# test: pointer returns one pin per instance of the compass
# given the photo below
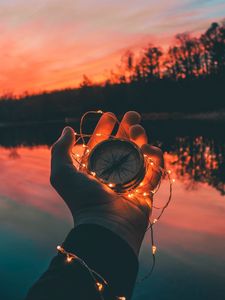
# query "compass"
(118, 163)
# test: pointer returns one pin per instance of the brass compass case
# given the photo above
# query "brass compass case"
(118, 163)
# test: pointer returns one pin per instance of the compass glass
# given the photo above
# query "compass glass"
(118, 162)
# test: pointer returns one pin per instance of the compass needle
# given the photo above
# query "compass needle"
(123, 165)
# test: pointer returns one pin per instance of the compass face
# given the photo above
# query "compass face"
(117, 162)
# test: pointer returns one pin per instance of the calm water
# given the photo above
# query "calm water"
(190, 237)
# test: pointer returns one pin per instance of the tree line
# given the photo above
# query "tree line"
(188, 77)
(189, 58)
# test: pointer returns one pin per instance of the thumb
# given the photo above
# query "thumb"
(63, 146)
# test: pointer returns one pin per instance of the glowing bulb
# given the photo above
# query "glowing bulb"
(130, 195)
(84, 145)
(121, 298)
(154, 249)
(75, 133)
(168, 171)
(99, 286)
(154, 221)
(59, 248)
(99, 111)
(77, 155)
(111, 185)
(151, 163)
(141, 184)
(173, 180)
(145, 194)
(98, 134)
(69, 258)
(136, 190)
(93, 173)
(83, 165)
(87, 150)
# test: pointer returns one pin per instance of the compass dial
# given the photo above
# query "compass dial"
(117, 162)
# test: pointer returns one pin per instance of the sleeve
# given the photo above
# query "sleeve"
(104, 252)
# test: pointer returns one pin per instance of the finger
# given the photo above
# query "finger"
(61, 149)
(130, 118)
(153, 174)
(103, 129)
(138, 135)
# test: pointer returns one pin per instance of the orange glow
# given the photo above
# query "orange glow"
(50, 45)
(99, 286)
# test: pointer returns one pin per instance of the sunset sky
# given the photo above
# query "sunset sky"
(50, 44)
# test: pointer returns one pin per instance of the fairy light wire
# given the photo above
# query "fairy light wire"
(131, 194)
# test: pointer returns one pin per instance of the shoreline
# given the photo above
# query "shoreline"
(155, 116)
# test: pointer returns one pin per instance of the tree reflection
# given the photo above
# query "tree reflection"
(192, 159)
(198, 160)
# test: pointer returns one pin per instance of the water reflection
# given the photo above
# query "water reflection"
(199, 160)
(34, 219)
(195, 158)
(190, 236)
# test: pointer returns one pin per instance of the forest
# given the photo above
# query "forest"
(187, 78)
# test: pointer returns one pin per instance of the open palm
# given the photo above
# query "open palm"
(94, 202)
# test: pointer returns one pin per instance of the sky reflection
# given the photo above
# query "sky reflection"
(33, 219)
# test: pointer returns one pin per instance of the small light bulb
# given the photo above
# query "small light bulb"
(69, 258)
(87, 150)
(93, 173)
(98, 134)
(83, 165)
(145, 194)
(121, 298)
(59, 248)
(84, 145)
(168, 171)
(136, 190)
(77, 155)
(173, 180)
(151, 163)
(141, 184)
(99, 111)
(154, 249)
(99, 286)
(130, 195)
(154, 221)
(111, 185)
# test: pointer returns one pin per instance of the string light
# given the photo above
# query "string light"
(70, 257)
(111, 185)
(154, 248)
(142, 189)
(99, 286)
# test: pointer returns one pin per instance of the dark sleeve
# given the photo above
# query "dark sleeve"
(104, 252)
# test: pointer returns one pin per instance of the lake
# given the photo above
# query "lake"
(190, 237)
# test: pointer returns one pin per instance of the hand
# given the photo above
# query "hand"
(84, 195)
